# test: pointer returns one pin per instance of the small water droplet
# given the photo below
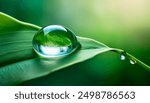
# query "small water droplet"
(54, 41)
(132, 61)
(122, 57)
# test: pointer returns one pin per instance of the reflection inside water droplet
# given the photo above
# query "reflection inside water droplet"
(132, 61)
(54, 41)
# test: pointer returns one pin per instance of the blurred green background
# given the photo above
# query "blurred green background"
(118, 23)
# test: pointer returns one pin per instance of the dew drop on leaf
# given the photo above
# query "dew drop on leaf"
(122, 57)
(54, 41)
(132, 61)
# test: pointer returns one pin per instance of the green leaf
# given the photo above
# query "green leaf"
(10, 24)
(19, 63)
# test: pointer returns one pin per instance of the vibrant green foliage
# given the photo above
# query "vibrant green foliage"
(18, 61)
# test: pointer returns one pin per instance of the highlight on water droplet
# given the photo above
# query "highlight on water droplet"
(54, 41)
(132, 61)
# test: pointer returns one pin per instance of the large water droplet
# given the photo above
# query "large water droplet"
(54, 41)
(132, 61)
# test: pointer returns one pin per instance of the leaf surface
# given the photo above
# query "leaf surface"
(19, 62)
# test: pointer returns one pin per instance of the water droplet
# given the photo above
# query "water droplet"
(54, 41)
(132, 61)
(122, 57)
